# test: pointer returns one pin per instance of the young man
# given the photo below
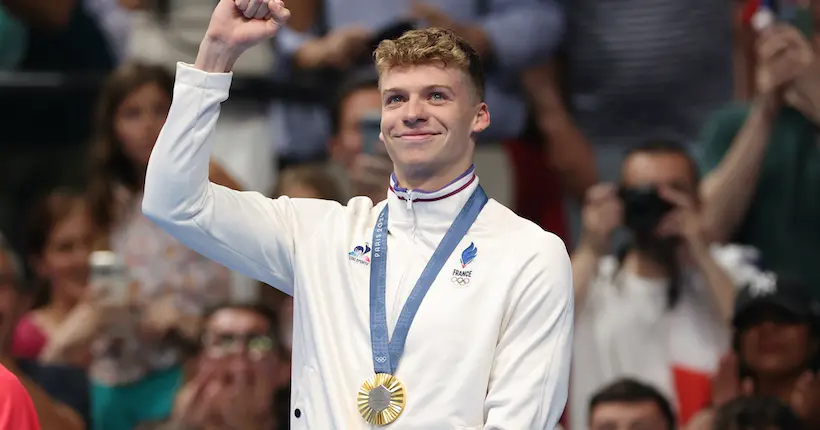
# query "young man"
(629, 404)
(668, 282)
(490, 346)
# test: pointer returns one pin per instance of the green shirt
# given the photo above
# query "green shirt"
(783, 219)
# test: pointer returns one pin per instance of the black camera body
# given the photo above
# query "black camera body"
(643, 208)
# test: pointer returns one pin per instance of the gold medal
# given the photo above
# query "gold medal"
(381, 399)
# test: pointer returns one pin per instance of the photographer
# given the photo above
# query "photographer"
(659, 308)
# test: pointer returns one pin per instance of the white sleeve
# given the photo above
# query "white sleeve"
(529, 381)
(244, 231)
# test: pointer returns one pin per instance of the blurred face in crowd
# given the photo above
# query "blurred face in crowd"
(641, 415)
(349, 141)
(139, 119)
(429, 115)
(301, 191)
(64, 259)
(11, 302)
(774, 342)
(658, 169)
(240, 337)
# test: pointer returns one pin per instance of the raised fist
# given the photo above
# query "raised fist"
(237, 25)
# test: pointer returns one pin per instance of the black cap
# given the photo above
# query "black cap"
(786, 293)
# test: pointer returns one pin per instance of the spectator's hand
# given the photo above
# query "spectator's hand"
(804, 93)
(369, 175)
(195, 403)
(159, 317)
(683, 221)
(248, 396)
(338, 49)
(70, 343)
(805, 398)
(602, 213)
(783, 55)
(726, 385)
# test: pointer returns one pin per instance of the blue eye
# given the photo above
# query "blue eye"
(394, 99)
(437, 96)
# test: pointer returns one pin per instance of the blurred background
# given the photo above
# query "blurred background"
(671, 145)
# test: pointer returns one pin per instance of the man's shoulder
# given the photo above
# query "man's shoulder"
(522, 235)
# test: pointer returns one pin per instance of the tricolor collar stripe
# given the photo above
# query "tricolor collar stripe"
(433, 199)
(457, 185)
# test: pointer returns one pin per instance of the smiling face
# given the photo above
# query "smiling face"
(429, 115)
(432, 95)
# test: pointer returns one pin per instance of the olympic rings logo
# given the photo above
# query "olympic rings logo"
(459, 280)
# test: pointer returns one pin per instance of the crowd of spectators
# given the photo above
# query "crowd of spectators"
(674, 147)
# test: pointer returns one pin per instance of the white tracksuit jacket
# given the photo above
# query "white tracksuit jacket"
(490, 345)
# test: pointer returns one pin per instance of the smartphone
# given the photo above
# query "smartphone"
(109, 277)
(370, 127)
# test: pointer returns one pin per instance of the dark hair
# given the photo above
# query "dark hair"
(363, 78)
(631, 391)
(268, 313)
(756, 413)
(812, 362)
(315, 176)
(42, 218)
(110, 166)
(45, 214)
(660, 146)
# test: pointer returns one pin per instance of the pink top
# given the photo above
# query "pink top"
(28, 339)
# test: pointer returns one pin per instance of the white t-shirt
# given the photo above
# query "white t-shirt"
(489, 347)
(625, 329)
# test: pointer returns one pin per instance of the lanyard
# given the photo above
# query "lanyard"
(386, 353)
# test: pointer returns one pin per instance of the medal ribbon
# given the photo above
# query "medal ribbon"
(386, 353)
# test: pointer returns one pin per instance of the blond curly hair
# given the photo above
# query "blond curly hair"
(431, 46)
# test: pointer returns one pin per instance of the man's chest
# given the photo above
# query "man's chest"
(469, 294)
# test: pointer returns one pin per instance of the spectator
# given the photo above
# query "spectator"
(135, 372)
(333, 35)
(659, 309)
(762, 159)
(13, 302)
(756, 413)
(776, 349)
(241, 377)
(627, 404)
(304, 181)
(59, 330)
(309, 181)
(354, 145)
(632, 72)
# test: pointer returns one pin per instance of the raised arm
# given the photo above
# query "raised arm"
(530, 377)
(244, 231)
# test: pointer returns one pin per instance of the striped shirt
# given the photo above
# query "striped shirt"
(646, 69)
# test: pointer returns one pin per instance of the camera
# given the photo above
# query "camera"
(643, 208)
